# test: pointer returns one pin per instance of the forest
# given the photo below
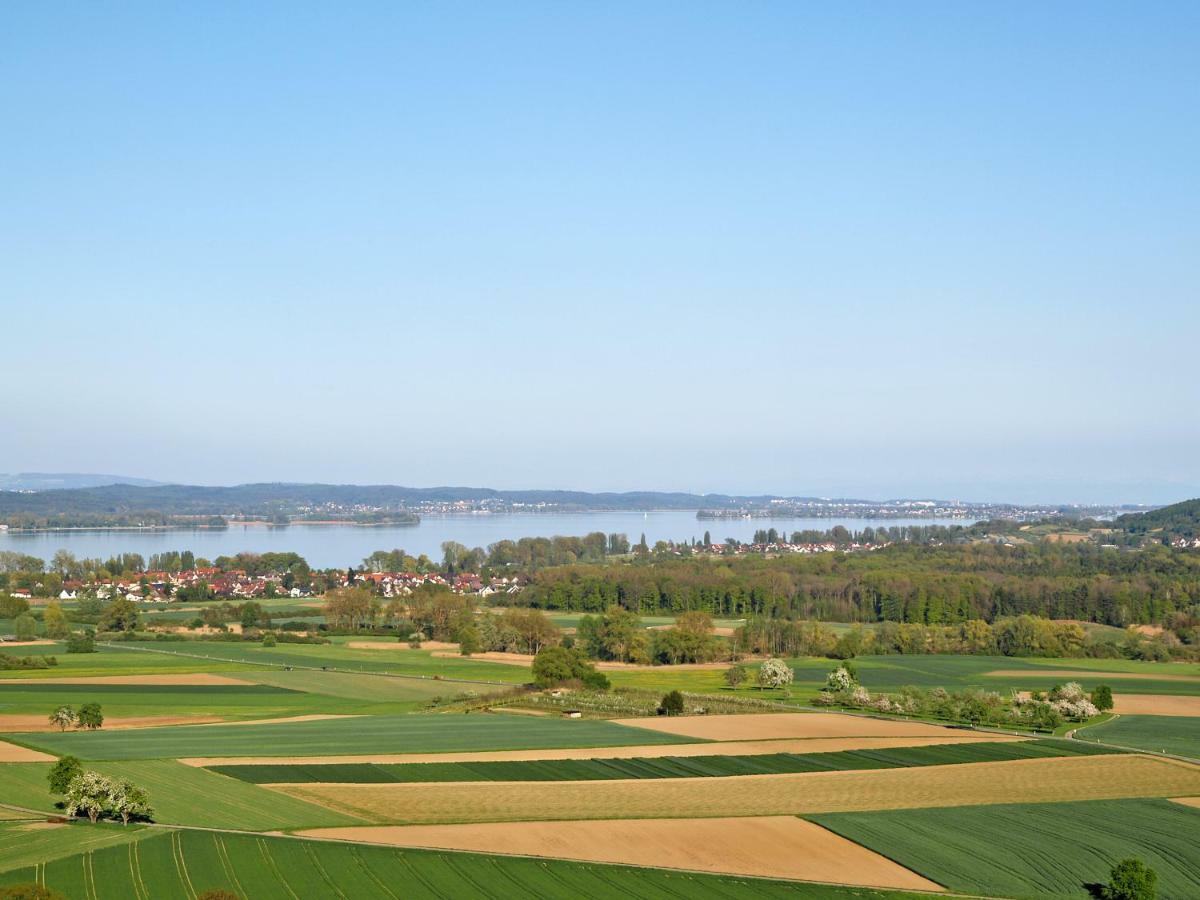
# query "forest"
(932, 585)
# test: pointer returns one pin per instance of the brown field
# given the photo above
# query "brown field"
(1187, 801)
(969, 784)
(766, 846)
(11, 753)
(1156, 705)
(188, 678)
(33, 722)
(1076, 674)
(723, 748)
(759, 727)
(40, 642)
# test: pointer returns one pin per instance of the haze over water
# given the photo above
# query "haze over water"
(325, 546)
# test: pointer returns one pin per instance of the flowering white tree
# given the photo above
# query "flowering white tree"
(775, 673)
(88, 793)
(127, 800)
(839, 680)
(1071, 701)
(63, 717)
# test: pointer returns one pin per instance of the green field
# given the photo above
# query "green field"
(274, 694)
(891, 673)
(657, 767)
(1179, 735)
(163, 863)
(181, 795)
(326, 737)
(335, 655)
(1034, 850)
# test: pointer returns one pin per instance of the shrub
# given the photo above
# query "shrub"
(672, 704)
(1131, 879)
(84, 642)
(268, 640)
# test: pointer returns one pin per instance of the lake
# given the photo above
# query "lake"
(326, 546)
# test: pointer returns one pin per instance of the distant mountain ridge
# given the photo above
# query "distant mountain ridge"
(286, 498)
(56, 481)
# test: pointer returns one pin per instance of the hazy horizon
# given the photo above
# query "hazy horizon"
(919, 251)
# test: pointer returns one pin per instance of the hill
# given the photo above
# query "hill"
(53, 481)
(1179, 520)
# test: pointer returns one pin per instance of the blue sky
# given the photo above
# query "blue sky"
(872, 249)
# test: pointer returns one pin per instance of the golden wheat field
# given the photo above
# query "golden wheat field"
(1021, 781)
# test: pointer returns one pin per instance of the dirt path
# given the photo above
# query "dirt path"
(726, 748)
(768, 846)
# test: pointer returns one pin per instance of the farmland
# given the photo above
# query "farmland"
(1179, 735)
(182, 864)
(658, 767)
(1048, 850)
(376, 734)
(1031, 780)
(398, 776)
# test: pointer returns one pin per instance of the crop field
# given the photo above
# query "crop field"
(773, 846)
(1026, 781)
(374, 734)
(338, 655)
(182, 795)
(1157, 734)
(891, 673)
(265, 694)
(185, 863)
(1047, 850)
(658, 767)
(106, 661)
(25, 844)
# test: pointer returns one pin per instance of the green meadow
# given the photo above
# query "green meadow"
(151, 863)
(1055, 850)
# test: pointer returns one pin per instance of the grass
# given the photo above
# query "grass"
(327, 737)
(1028, 781)
(185, 863)
(181, 795)
(1034, 850)
(656, 767)
(1179, 735)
